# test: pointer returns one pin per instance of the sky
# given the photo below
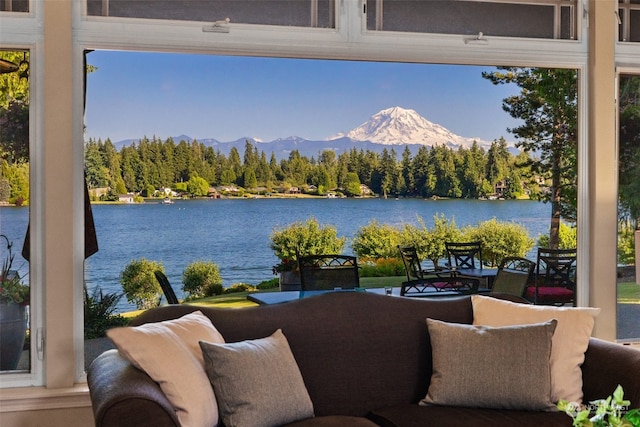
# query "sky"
(136, 94)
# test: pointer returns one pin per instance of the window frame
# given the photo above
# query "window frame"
(350, 40)
(22, 31)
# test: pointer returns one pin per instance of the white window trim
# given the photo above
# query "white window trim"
(24, 31)
(350, 40)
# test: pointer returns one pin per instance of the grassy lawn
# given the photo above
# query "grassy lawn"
(628, 293)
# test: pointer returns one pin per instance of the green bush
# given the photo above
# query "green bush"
(430, 243)
(140, 284)
(626, 244)
(306, 238)
(269, 284)
(98, 313)
(201, 279)
(376, 240)
(567, 238)
(499, 239)
(239, 287)
(381, 267)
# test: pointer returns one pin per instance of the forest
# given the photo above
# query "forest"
(439, 171)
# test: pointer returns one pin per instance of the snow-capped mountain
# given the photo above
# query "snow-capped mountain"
(398, 126)
(394, 126)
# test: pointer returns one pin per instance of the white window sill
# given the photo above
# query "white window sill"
(38, 398)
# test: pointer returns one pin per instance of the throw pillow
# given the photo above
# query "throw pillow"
(257, 382)
(170, 354)
(484, 367)
(569, 342)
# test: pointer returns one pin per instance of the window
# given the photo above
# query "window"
(552, 19)
(14, 5)
(300, 13)
(628, 206)
(15, 302)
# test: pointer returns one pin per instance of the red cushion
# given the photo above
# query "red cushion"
(443, 285)
(549, 294)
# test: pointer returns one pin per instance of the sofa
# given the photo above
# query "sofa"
(365, 360)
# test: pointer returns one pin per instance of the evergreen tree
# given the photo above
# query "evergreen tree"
(547, 104)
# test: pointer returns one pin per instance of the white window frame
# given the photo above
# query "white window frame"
(23, 31)
(348, 41)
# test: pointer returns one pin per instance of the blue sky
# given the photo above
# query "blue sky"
(134, 94)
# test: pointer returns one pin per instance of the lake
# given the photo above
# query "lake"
(235, 233)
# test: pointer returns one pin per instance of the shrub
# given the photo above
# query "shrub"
(381, 267)
(567, 238)
(376, 240)
(499, 239)
(98, 313)
(140, 284)
(308, 238)
(269, 284)
(626, 244)
(430, 243)
(201, 279)
(239, 287)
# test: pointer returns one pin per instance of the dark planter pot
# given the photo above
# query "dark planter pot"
(13, 327)
(290, 280)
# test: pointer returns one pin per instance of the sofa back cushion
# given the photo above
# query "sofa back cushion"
(356, 351)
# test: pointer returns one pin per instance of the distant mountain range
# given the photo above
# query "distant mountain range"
(394, 127)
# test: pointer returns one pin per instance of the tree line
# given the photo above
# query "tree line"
(439, 171)
(546, 108)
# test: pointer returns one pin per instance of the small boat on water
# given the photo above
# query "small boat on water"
(167, 201)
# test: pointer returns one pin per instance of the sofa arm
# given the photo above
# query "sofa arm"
(608, 364)
(122, 395)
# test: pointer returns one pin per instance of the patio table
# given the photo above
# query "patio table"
(486, 275)
(265, 298)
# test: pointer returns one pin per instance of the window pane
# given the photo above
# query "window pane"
(14, 211)
(629, 208)
(300, 13)
(174, 200)
(14, 5)
(634, 29)
(470, 17)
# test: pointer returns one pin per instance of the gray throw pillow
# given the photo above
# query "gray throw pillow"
(259, 382)
(485, 367)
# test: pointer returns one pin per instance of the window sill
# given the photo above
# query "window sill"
(38, 398)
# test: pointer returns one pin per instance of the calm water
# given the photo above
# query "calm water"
(235, 233)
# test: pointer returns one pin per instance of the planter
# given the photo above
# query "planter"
(290, 280)
(13, 327)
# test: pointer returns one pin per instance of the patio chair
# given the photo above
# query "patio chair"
(418, 284)
(555, 277)
(166, 287)
(326, 272)
(514, 274)
(463, 255)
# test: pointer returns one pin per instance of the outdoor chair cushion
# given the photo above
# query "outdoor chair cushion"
(549, 294)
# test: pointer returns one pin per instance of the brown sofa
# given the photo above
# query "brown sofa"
(365, 360)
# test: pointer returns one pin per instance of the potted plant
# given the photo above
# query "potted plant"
(301, 238)
(14, 297)
(287, 269)
(610, 412)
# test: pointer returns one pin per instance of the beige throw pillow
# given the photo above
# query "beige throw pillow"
(485, 367)
(569, 342)
(170, 354)
(257, 382)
